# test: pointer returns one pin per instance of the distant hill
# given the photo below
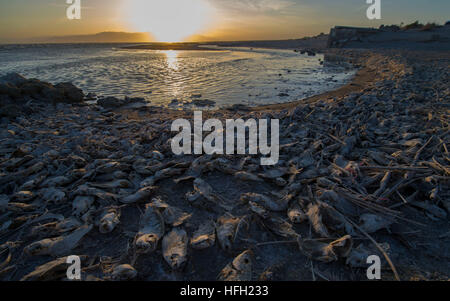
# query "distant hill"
(102, 37)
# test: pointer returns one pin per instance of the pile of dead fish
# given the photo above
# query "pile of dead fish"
(348, 166)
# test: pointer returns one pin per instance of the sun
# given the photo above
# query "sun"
(168, 20)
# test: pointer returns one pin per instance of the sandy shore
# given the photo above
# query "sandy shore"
(363, 170)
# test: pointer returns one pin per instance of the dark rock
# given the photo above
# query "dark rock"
(111, 102)
(203, 102)
(49, 93)
(239, 107)
(91, 96)
(10, 90)
(33, 88)
(71, 93)
(134, 99)
(22, 90)
(14, 79)
(11, 111)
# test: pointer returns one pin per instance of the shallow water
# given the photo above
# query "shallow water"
(231, 76)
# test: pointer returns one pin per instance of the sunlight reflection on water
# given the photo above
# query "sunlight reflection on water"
(232, 76)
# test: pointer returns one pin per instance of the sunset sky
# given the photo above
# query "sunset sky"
(174, 20)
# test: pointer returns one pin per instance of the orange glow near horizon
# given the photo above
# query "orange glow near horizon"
(169, 20)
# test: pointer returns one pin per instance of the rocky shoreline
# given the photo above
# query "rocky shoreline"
(363, 171)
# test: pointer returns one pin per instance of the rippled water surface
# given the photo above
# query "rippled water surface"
(230, 76)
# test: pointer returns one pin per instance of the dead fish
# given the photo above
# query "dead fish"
(57, 181)
(326, 250)
(109, 219)
(53, 195)
(82, 204)
(204, 237)
(192, 196)
(280, 182)
(157, 155)
(146, 167)
(58, 246)
(349, 145)
(274, 273)
(208, 193)
(279, 227)
(238, 270)
(5, 226)
(168, 173)
(383, 184)
(379, 157)
(24, 196)
(22, 220)
(226, 231)
(142, 195)
(173, 216)
(358, 256)
(160, 175)
(258, 209)
(7, 249)
(23, 173)
(56, 228)
(120, 175)
(433, 209)
(51, 271)
(21, 207)
(87, 190)
(222, 165)
(315, 219)
(68, 225)
(371, 223)
(195, 170)
(151, 230)
(124, 272)
(174, 246)
(266, 202)
(14, 163)
(273, 173)
(114, 184)
(4, 200)
(77, 160)
(246, 176)
(324, 182)
(110, 167)
(32, 184)
(323, 218)
(296, 214)
(149, 182)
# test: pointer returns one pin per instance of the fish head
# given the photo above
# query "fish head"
(244, 261)
(177, 261)
(108, 223)
(147, 243)
(201, 242)
(227, 242)
(124, 272)
(37, 248)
